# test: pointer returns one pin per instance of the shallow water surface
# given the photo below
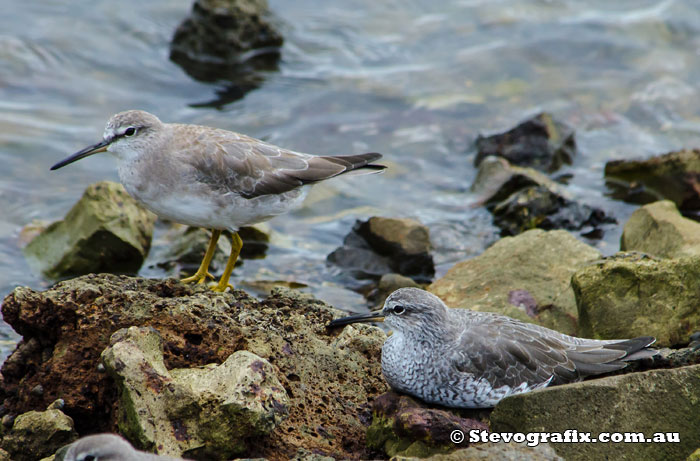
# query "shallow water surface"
(414, 80)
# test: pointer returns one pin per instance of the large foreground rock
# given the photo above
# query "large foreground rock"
(106, 231)
(660, 230)
(328, 379)
(631, 295)
(525, 277)
(652, 402)
(674, 176)
(205, 413)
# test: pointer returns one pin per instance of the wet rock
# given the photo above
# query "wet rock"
(657, 401)
(38, 434)
(674, 176)
(523, 198)
(227, 40)
(631, 295)
(106, 231)
(405, 427)
(495, 451)
(660, 230)
(328, 379)
(384, 245)
(204, 413)
(525, 277)
(186, 246)
(540, 142)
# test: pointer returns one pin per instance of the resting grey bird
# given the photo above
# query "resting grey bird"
(105, 447)
(212, 178)
(468, 359)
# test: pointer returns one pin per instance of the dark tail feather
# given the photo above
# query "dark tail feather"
(325, 167)
(612, 356)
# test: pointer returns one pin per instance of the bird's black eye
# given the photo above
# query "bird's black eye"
(129, 132)
(90, 458)
(399, 309)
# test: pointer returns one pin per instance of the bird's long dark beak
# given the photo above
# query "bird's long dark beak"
(375, 316)
(99, 147)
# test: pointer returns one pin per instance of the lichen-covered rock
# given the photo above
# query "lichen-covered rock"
(523, 198)
(383, 245)
(540, 142)
(674, 176)
(204, 413)
(660, 230)
(631, 295)
(649, 403)
(405, 427)
(105, 231)
(694, 456)
(329, 379)
(499, 451)
(38, 434)
(526, 277)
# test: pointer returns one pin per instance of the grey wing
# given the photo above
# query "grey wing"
(253, 168)
(508, 355)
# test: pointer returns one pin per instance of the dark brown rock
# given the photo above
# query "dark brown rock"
(328, 379)
(404, 426)
(540, 142)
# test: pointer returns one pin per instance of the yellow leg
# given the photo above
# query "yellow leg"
(236, 245)
(203, 272)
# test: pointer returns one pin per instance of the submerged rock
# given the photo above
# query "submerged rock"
(328, 379)
(38, 434)
(105, 231)
(674, 176)
(405, 427)
(649, 403)
(660, 230)
(203, 413)
(631, 295)
(227, 40)
(380, 246)
(525, 277)
(541, 142)
(523, 198)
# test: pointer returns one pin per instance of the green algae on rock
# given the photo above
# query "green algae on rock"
(38, 434)
(630, 295)
(105, 231)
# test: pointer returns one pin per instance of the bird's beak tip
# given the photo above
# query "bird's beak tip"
(94, 149)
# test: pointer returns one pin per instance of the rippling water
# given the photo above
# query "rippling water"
(416, 80)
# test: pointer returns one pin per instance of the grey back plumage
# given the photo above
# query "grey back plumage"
(464, 358)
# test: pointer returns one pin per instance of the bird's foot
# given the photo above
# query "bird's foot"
(221, 287)
(198, 277)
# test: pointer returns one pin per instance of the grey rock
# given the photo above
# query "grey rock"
(656, 401)
(499, 451)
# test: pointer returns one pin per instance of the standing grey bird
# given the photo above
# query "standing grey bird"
(466, 359)
(105, 447)
(212, 178)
